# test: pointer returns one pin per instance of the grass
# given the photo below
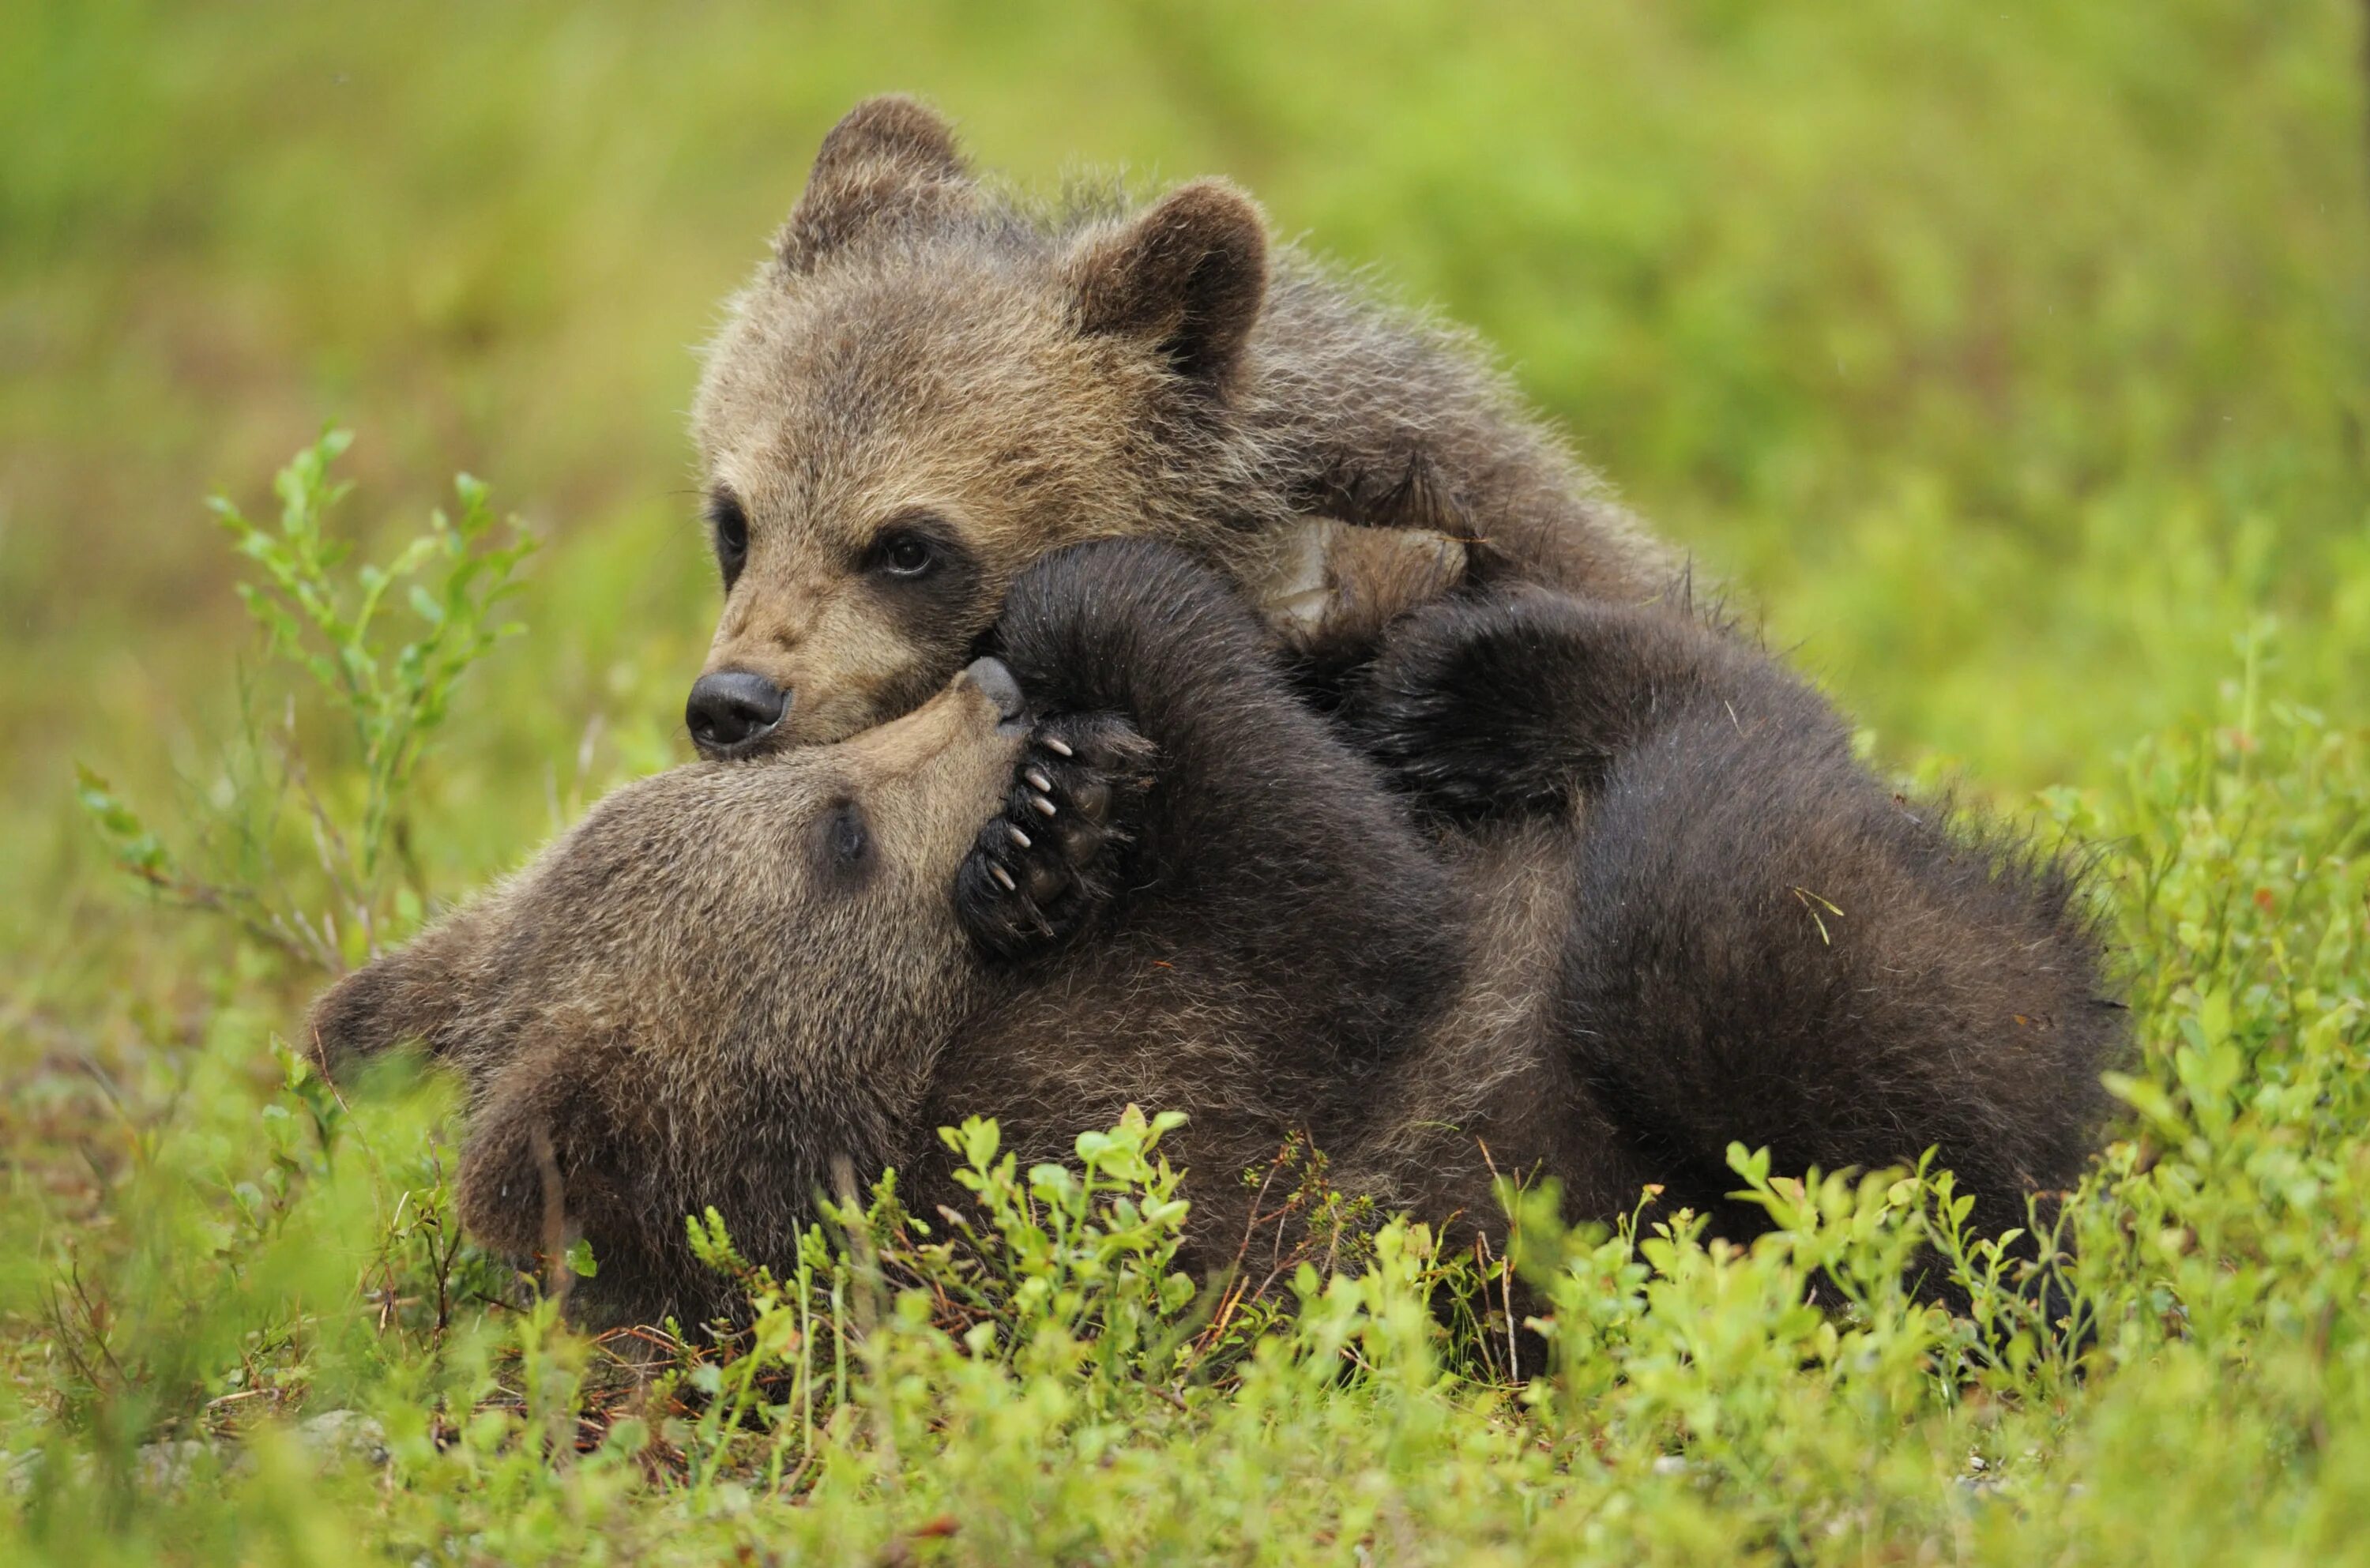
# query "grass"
(2008, 358)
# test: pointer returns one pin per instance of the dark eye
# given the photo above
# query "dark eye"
(730, 526)
(917, 557)
(903, 553)
(843, 839)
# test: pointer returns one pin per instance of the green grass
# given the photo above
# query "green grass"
(2010, 359)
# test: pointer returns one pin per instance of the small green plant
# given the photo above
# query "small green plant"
(327, 622)
(1070, 1265)
(1062, 1271)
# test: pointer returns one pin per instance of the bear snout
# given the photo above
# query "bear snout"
(996, 681)
(731, 710)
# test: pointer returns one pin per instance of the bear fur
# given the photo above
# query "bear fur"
(1126, 864)
(931, 381)
(1757, 940)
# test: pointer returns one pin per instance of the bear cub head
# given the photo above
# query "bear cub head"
(724, 981)
(925, 387)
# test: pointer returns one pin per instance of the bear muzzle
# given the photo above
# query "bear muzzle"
(999, 685)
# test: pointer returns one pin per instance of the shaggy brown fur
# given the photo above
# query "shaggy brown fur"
(931, 382)
(1757, 940)
(1191, 892)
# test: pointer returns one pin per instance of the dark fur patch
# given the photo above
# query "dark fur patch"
(728, 530)
(1769, 946)
(843, 846)
(928, 607)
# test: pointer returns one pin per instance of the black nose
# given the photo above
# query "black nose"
(732, 707)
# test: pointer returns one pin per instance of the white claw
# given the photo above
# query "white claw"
(1019, 837)
(1000, 874)
(1059, 748)
(1039, 780)
(1044, 807)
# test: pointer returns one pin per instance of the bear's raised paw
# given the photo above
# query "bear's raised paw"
(1043, 868)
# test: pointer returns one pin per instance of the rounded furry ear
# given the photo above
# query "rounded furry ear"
(419, 992)
(891, 156)
(1189, 274)
(374, 1009)
(891, 128)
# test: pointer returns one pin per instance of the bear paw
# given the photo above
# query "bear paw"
(1469, 709)
(1043, 868)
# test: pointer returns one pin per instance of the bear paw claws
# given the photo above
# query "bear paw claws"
(1043, 867)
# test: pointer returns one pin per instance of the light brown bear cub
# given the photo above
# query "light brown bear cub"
(932, 382)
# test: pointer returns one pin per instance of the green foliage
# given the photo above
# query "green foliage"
(396, 700)
(315, 622)
(2008, 358)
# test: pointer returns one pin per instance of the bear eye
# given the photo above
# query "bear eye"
(730, 527)
(843, 839)
(904, 552)
(918, 557)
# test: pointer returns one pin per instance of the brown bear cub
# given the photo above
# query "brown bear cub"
(931, 382)
(1123, 862)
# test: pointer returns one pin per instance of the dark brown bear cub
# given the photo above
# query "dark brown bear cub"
(1125, 864)
(931, 382)
(1764, 944)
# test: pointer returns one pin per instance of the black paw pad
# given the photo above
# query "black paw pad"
(1043, 867)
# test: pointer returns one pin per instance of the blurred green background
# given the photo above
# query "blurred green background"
(2007, 358)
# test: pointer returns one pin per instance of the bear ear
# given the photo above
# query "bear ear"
(413, 994)
(1188, 275)
(891, 157)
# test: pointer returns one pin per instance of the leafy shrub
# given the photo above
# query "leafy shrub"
(394, 697)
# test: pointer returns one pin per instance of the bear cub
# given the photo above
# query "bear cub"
(1121, 862)
(932, 381)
